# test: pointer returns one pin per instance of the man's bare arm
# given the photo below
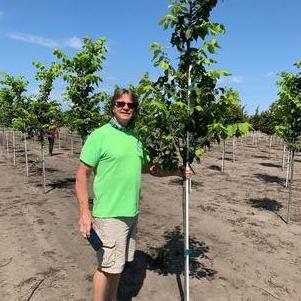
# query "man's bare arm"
(82, 194)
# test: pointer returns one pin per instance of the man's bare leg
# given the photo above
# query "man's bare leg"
(113, 286)
(100, 286)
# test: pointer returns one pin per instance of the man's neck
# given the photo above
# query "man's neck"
(117, 124)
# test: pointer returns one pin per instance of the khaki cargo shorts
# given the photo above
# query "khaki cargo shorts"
(118, 236)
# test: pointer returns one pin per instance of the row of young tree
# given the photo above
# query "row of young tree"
(181, 112)
(283, 119)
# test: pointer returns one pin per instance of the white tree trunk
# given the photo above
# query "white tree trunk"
(7, 146)
(2, 139)
(270, 146)
(290, 185)
(43, 166)
(26, 155)
(233, 149)
(14, 148)
(283, 155)
(59, 139)
(223, 156)
(288, 167)
(72, 144)
(186, 207)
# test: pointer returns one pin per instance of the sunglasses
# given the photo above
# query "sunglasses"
(122, 104)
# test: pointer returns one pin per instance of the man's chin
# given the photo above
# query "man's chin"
(126, 118)
(124, 121)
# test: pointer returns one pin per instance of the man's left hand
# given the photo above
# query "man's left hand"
(186, 172)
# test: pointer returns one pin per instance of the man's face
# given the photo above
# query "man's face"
(124, 109)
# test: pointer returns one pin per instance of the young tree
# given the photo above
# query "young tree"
(266, 122)
(183, 97)
(81, 74)
(182, 100)
(254, 120)
(229, 121)
(237, 130)
(24, 122)
(42, 112)
(11, 97)
(11, 94)
(289, 108)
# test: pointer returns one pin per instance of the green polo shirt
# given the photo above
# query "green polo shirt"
(117, 158)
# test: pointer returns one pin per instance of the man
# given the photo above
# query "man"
(51, 135)
(117, 157)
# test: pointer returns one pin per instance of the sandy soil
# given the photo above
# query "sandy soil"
(241, 247)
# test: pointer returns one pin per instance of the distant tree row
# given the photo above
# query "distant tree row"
(283, 118)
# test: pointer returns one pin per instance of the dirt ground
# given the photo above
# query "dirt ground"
(241, 248)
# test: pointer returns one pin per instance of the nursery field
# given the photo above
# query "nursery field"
(241, 246)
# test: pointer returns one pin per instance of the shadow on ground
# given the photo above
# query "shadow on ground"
(215, 167)
(133, 276)
(61, 184)
(226, 159)
(168, 259)
(165, 260)
(179, 181)
(270, 164)
(260, 157)
(56, 154)
(266, 203)
(39, 170)
(268, 178)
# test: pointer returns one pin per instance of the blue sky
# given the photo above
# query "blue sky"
(262, 39)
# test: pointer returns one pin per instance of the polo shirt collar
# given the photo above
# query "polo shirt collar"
(114, 123)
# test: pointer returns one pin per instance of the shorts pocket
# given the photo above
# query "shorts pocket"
(108, 253)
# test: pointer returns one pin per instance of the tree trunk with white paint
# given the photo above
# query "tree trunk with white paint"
(290, 185)
(26, 155)
(288, 167)
(223, 156)
(43, 166)
(283, 155)
(233, 149)
(14, 148)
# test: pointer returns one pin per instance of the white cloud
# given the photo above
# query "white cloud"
(32, 39)
(73, 42)
(110, 78)
(271, 73)
(227, 80)
(107, 77)
(236, 79)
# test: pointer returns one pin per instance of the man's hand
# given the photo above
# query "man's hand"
(85, 223)
(186, 171)
(81, 188)
(182, 171)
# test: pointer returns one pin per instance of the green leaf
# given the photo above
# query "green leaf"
(164, 65)
(199, 152)
(199, 108)
(188, 33)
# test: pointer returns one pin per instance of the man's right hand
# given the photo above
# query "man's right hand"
(81, 188)
(85, 222)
